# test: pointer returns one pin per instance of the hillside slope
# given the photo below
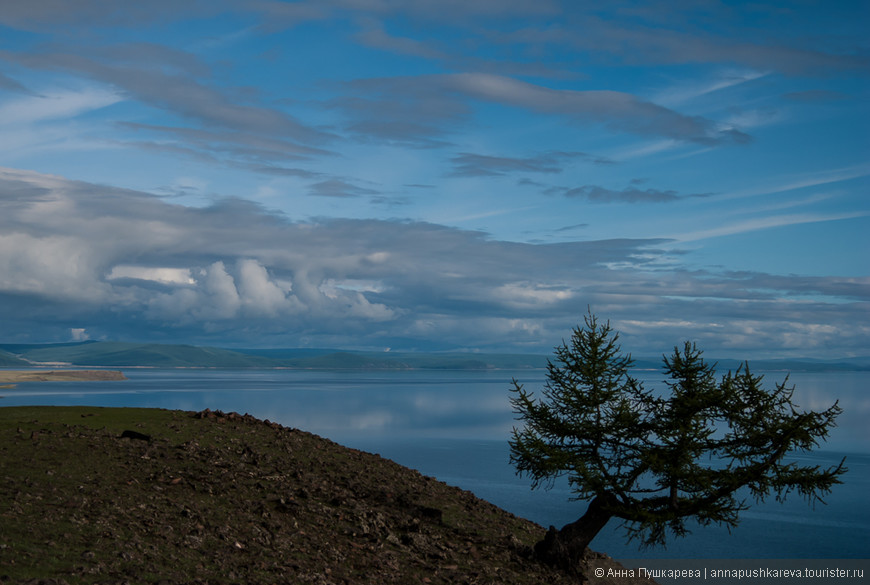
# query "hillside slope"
(8, 360)
(159, 355)
(214, 498)
(119, 354)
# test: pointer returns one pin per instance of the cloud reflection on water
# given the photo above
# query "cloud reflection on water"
(449, 404)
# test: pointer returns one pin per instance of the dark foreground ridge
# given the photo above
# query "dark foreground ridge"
(124, 495)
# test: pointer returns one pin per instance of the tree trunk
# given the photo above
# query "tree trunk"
(564, 548)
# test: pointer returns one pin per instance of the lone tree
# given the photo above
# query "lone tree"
(652, 461)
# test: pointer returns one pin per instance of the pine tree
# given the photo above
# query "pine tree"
(697, 452)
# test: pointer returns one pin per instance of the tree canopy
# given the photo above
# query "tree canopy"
(698, 450)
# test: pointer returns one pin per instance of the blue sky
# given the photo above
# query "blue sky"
(437, 175)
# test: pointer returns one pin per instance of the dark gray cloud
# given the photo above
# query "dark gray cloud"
(653, 32)
(60, 15)
(339, 188)
(390, 108)
(275, 14)
(235, 145)
(598, 194)
(279, 171)
(397, 112)
(615, 109)
(9, 84)
(569, 228)
(128, 265)
(467, 164)
(373, 34)
(643, 37)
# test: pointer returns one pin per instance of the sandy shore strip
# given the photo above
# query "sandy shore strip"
(16, 376)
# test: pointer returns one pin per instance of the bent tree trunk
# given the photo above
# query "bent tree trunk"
(564, 548)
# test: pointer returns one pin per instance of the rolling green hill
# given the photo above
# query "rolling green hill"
(7, 360)
(117, 354)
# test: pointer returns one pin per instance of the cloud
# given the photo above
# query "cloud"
(153, 274)
(127, 265)
(9, 84)
(244, 150)
(178, 91)
(824, 40)
(339, 188)
(618, 110)
(46, 15)
(52, 105)
(399, 111)
(467, 164)
(79, 334)
(598, 194)
(392, 107)
(373, 34)
(688, 91)
(685, 38)
(572, 227)
(802, 180)
(761, 223)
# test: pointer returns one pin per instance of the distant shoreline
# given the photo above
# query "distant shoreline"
(16, 376)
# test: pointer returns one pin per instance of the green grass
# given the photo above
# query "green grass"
(150, 421)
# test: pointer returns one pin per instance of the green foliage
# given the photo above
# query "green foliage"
(694, 453)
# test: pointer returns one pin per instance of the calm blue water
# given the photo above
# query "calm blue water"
(455, 425)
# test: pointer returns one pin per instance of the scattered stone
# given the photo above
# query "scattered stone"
(246, 501)
(128, 434)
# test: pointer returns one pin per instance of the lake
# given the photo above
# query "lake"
(454, 425)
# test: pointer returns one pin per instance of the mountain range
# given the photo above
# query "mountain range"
(127, 354)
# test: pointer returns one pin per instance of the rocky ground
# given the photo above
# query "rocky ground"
(92, 495)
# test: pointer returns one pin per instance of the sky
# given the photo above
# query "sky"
(434, 175)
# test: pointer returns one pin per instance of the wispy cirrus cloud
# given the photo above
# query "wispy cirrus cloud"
(56, 104)
(681, 93)
(50, 120)
(767, 222)
(802, 180)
